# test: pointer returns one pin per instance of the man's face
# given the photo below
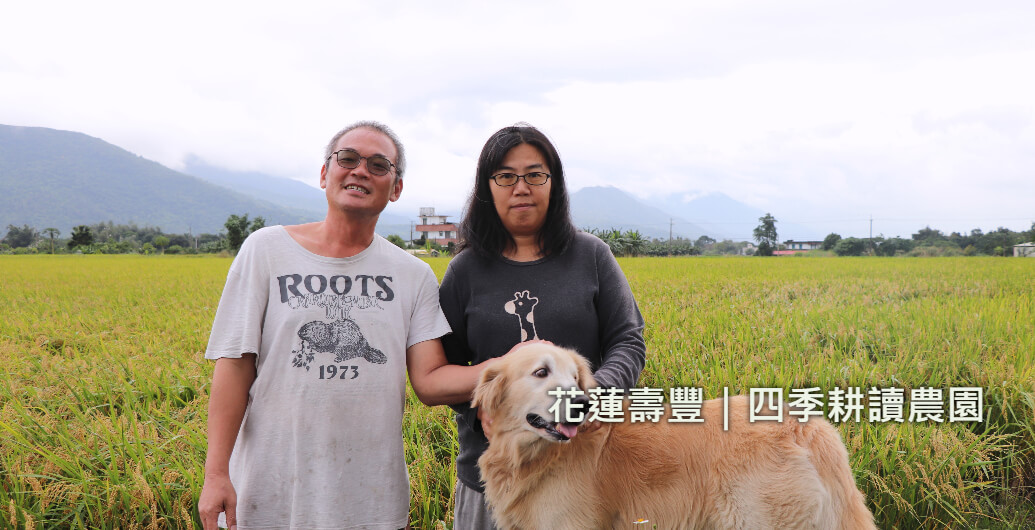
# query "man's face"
(357, 190)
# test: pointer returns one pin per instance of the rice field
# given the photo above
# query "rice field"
(103, 385)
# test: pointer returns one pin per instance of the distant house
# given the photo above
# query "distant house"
(797, 247)
(1024, 250)
(435, 227)
(803, 245)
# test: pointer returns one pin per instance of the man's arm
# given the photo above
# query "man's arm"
(228, 398)
(435, 380)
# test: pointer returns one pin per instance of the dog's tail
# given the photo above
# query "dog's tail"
(849, 504)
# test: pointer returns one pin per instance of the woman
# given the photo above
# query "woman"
(524, 273)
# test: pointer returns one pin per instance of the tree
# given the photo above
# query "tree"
(81, 237)
(628, 243)
(635, 243)
(726, 246)
(21, 237)
(237, 229)
(211, 242)
(257, 223)
(161, 242)
(894, 246)
(396, 240)
(830, 241)
(964, 241)
(704, 242)
(995, 243)
(765, 235)
(179, 239)
(676, 247)
(52, 232)
(850, 246)
(929, 235)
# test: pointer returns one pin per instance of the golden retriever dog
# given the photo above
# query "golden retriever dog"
(539, 473)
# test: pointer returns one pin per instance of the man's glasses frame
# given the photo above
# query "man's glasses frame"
(376, 164)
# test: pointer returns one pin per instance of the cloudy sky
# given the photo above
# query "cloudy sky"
(824, 113)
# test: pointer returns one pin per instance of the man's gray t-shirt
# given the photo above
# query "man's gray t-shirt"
(321, 444)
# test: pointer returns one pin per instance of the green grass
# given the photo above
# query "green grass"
(103, 384)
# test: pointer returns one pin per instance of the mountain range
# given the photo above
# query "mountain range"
(59, 179)
(52, 178)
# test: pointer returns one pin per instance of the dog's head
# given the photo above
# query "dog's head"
(515, 392)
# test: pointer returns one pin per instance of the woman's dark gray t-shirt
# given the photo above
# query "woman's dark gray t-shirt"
(577, 299)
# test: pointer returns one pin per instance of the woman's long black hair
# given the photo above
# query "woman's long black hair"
(481, 228)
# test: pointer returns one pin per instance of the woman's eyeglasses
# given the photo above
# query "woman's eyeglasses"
(509, 179)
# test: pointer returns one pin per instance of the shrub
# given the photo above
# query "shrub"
(850, 246)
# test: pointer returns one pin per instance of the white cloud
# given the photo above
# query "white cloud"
(918, 111)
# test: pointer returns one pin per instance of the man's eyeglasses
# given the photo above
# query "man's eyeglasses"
(509, 179)
(349, 159)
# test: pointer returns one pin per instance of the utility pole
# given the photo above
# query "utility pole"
(671, 222)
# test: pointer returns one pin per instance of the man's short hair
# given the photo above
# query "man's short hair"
(400, 153)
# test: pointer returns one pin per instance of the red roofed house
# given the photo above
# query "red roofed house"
(435, 227)
(802, 245)
(795, 247)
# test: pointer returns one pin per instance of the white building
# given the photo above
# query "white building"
(1024, 250)
(803, 245)
(435, 227)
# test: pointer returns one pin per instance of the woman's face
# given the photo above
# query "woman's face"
(522, 207)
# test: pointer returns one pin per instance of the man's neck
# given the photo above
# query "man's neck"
(337, 236)
(347, 235)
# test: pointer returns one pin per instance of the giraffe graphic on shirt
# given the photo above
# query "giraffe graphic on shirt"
(522, 306)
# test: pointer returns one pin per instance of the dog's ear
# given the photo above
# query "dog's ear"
(488, 395)
(586, 379)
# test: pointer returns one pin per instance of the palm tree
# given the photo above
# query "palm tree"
(52, 232)
(635, 243)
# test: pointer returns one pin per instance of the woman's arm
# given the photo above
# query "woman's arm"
(623, 351)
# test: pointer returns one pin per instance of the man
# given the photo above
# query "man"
(314, 331)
